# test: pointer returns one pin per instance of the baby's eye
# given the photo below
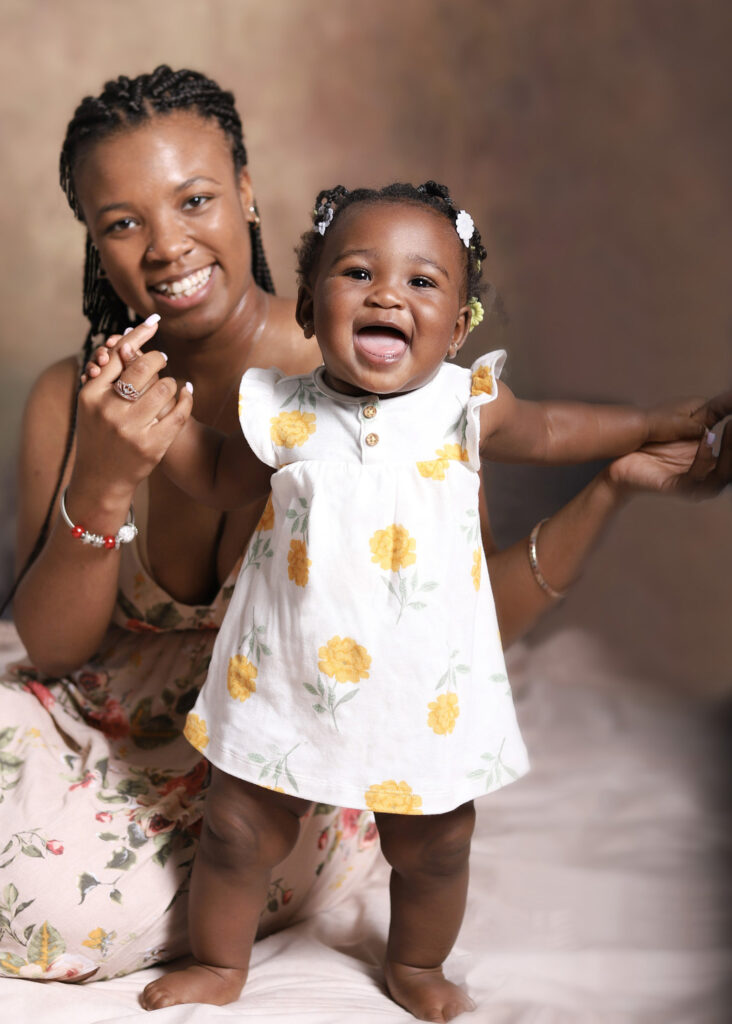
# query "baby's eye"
(422, 282)
(196, 202)
(358, 273)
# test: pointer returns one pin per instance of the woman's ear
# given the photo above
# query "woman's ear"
(304, 310)
(460, 331)
(246, 192)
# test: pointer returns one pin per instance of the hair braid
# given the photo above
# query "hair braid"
(126, 103)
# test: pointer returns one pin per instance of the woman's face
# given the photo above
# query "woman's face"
(169, 215)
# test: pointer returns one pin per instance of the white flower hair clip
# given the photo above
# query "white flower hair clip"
(465, 227)
(324, 215)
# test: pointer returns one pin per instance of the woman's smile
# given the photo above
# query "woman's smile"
(184, 291)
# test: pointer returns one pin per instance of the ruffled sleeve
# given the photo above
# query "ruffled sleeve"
(257, 405)
(484, 375)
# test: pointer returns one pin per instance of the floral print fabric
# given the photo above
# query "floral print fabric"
(360, 661)
(101, 799)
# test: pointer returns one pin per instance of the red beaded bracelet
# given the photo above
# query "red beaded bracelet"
(124, 535)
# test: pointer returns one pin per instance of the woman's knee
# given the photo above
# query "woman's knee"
(437, 844)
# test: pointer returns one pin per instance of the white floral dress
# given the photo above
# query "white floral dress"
(101, 798)
(360, 661)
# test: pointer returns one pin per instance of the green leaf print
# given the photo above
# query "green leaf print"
(258, 550)
(496, 772)
(164, 615)
(255, 647)
(300, 519)
(122, 858)
(328, 694)
(6, 735)
(275, 766)
(408, 588)
(87, 882)
(449, 677)
(46, 944)
(304, 395)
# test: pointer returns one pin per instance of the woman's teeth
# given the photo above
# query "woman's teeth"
(187, 285)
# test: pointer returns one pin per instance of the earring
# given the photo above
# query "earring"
(254, 219)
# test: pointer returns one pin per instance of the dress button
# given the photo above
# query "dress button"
(369, 411)
(371, 440)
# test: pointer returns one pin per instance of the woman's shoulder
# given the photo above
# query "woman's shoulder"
(50, 393)
(286, 347)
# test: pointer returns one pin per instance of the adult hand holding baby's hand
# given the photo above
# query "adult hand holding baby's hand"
(689, 469)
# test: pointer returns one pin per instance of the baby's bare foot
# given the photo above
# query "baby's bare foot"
(426, 992)
(196, 984)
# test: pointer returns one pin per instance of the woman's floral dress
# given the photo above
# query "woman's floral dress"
(360, 662)
(101, 800)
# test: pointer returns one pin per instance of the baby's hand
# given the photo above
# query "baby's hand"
(675, 421)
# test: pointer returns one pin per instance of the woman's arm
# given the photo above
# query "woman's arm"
(682, 469)
(514, 430)
(64, 603)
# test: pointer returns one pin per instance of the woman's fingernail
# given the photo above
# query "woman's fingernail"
(710, 438)
(163, 354)
(189, 387)
(152, 319)
(126, 331)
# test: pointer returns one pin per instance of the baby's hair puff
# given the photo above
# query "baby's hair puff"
(331, 203)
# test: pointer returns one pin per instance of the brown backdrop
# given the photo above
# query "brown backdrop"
(591, 141)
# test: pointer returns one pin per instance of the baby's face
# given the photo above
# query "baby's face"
(388, 297)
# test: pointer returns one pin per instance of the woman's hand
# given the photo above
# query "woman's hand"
(682, 468)
(120, 441)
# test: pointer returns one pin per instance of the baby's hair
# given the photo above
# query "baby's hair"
(332, 201)
(125, 103)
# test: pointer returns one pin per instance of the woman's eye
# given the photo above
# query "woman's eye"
(196, 202)
(122, 224)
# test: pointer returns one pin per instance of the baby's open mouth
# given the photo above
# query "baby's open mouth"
(381, 343)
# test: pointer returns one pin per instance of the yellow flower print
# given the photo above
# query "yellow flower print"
(266, 520)
(291, 429)
(482, 383)
(240, 677)
(97, 939)
(344, 660)
(475, 571)
(196, 732)
(443, 713)
(434, 469)
(393, 797)
(298, 562)
(393, 548)
(454, 452)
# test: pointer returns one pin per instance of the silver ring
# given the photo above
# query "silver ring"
(127, 391)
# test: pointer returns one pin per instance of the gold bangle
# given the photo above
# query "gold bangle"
(534, 563)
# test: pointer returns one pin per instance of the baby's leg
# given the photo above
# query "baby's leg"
(246, 831)
(429, 884)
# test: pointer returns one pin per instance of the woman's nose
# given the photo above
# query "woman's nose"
(168, 241)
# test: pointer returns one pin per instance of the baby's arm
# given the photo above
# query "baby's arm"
(514, 430)
(217, 469)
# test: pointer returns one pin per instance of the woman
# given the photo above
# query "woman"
(102, 795)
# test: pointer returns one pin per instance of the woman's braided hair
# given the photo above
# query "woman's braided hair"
(125, 103)
(332, 202)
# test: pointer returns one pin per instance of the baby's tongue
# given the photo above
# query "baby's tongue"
(382, 343)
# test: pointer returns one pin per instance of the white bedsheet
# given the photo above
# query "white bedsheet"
(598, 887)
